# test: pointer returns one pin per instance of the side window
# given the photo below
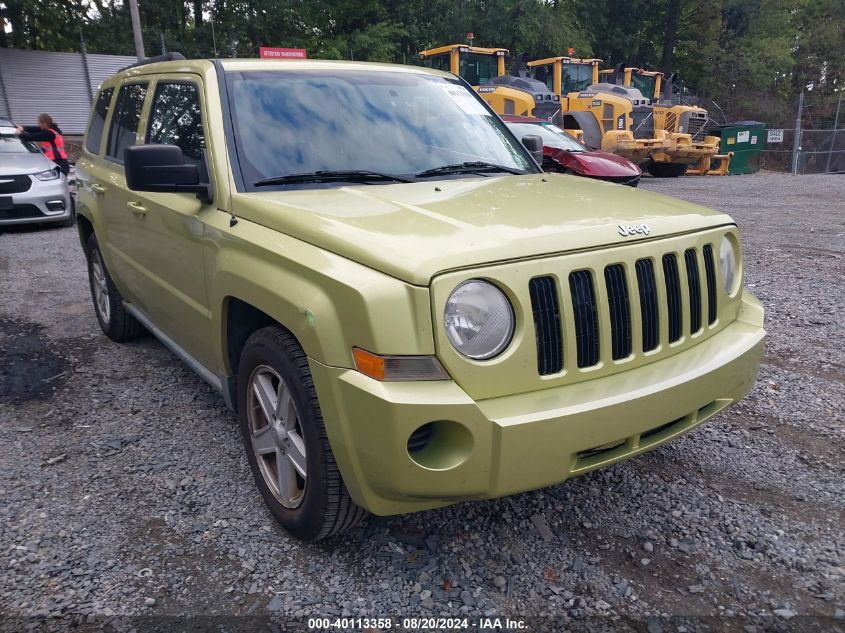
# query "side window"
(124, 122)
(98, 121)
(176, 119)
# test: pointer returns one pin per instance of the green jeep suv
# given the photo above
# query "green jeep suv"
(403, 310)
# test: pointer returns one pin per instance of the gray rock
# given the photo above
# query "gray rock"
(277, 603)
(543, 529)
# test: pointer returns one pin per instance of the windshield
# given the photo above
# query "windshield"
(401, 123)
(645, 84)
(439, 62)
(11, 144)
(576, 77)
(478, 68)
(552, 135)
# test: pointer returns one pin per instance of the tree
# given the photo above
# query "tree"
(753, 56)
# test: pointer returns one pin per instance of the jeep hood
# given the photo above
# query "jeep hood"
(414, 231)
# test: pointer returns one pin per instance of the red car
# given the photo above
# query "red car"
(563, 154)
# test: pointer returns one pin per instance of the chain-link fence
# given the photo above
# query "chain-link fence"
(814, 143)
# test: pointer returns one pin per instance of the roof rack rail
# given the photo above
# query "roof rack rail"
(168, 57)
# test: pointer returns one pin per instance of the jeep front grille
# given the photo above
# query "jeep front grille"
(650, 318)
(544, 305)
(620, 310)
(710, 271)
(673, 295)
(586, 317)
(602, 308)
(694, 283)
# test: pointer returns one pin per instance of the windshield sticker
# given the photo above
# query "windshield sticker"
(463, 99)
(553, 128)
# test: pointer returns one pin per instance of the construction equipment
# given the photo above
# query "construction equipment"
(687, 125)
(723, 164)
(484, 70)
(563, 75)
(602, 115)
(475, 64)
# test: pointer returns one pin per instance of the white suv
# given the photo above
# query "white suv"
(32, 189)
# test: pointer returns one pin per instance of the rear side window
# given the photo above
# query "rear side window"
(127, 116)
(176, 119)
(98, 121)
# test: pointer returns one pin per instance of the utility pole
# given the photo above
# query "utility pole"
(796, 140)
(136, 29)
(84, 55)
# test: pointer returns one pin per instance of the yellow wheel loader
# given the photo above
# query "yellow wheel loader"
(687, 125)
(484, 70)
(603, 115)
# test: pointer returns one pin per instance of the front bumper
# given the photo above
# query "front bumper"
(511, 444)
(40, 203)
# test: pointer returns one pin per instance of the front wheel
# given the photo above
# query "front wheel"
(285, 439)
(71, 220)
(666, 170)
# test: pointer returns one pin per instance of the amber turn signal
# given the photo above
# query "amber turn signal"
(398, 368)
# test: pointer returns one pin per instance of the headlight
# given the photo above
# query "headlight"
(727, 259)
(50, 174)
(479, 319)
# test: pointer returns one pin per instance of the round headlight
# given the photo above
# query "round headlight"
(727, 259)
(479, 319)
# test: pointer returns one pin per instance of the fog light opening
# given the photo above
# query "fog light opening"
(440, 445)
(56, 205)
(420, 438)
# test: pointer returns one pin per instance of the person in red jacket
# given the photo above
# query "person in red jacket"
(48, 135)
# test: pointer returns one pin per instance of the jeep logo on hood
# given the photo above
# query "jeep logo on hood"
(634, 229)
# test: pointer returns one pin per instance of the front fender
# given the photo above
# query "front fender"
(329, 303)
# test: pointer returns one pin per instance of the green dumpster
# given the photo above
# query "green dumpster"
(746, 140)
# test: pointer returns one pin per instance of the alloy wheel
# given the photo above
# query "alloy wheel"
(276, 433)
(100, 286)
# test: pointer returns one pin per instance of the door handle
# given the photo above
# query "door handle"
(98, 188)
(137, 208)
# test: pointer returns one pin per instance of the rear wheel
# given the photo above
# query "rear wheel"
(114, 320)
(286, 441)
(666, 170)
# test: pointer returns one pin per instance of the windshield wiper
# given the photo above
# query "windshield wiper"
(474, 166)
(351, 175)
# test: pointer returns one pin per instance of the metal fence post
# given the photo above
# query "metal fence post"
(833, 139)
(796, 140)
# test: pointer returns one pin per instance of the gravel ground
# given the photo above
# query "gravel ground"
(124, 490)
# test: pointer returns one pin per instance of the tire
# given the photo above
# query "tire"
(310, 507)
(666, 170)
(115, 321)
(72, 218)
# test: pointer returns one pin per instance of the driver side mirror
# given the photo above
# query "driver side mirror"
(162, 168)
(534, 144)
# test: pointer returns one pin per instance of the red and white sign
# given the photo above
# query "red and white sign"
(268, 52)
